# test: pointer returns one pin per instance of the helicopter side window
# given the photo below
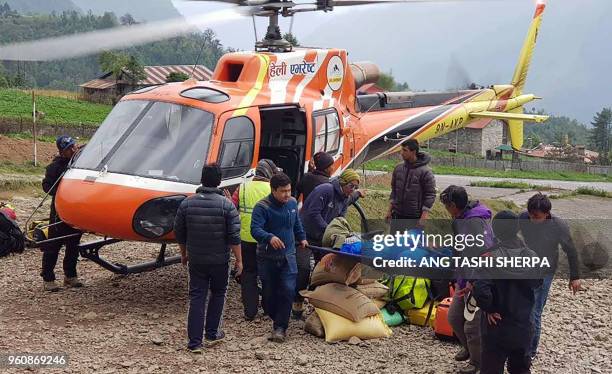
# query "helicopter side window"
(237, 149)
(321, 132)
(327, 130)
(333, 133)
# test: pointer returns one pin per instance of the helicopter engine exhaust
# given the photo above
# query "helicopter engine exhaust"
(365, 72)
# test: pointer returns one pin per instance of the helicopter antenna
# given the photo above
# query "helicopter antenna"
(254, 27)
(197, 59)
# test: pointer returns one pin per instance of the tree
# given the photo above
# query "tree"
(109, 19)
(113, 62)
(176, 76)
(387, 83)
(127, 20)
(601, 134)
(135, 70)
(4, 82)
(291, 39)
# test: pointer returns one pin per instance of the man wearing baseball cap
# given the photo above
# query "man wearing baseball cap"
(67, 148)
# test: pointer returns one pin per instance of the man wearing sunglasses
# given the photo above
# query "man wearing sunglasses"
(328, 201)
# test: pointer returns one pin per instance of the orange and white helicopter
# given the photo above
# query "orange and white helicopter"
(278, 102)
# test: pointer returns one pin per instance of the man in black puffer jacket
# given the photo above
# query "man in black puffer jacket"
(206, 226)
(413, 188)
(507, 299)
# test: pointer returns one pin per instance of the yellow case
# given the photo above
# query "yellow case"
(418, 316)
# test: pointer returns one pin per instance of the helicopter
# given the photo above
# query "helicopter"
(277, 102)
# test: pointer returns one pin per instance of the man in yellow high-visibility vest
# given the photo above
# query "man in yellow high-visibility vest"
(245, 197)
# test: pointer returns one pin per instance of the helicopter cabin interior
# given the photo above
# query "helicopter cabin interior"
(283, 139)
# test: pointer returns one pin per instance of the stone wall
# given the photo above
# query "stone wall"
(464, 141)
(473, 141)
(492, 136)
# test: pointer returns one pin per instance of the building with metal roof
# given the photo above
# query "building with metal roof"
(107, 89)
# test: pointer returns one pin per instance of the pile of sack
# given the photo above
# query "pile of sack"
(345, 304)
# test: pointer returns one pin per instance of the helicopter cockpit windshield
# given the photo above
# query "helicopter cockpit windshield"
(151, 139)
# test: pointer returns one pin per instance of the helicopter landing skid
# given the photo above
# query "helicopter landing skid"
(91, 251)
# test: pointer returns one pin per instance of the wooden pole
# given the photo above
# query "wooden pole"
(34, 128)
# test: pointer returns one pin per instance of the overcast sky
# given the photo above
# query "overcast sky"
(441, 46)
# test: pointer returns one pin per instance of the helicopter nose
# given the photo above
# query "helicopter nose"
(117, 211)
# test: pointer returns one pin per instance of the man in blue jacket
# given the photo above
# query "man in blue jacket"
(207, 226)
(276, 226)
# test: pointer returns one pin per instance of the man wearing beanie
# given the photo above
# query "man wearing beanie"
(506, 298)
(323, 163)
(207, 226)
(326, 202)
(67, 148)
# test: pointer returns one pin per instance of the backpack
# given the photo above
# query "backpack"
(12, 239)
(408, 292)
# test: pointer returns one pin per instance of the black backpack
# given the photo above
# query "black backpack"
(12, 239)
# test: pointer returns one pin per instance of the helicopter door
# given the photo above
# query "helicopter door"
(236, 151)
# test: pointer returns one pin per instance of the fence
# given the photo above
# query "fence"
(543, 165)
(23, 125)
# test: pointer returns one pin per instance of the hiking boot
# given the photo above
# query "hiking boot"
(278, 335)
(209, 343)
(469, 368)
(297, 310)
(51, 286)
(462, 355)
(73, 282)
(196, 350)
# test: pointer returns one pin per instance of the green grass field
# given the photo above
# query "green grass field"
(389, 165)
(7, 167)
(60, 110)
(507, 184)
(376, 203)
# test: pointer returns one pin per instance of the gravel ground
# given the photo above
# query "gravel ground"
(136, 324)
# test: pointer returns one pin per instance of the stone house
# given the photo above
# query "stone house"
(476, 138)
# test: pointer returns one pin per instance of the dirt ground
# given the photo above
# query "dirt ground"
(19, 151)
(137, 324)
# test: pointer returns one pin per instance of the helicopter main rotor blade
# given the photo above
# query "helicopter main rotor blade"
(336, 3)
(78, 45)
